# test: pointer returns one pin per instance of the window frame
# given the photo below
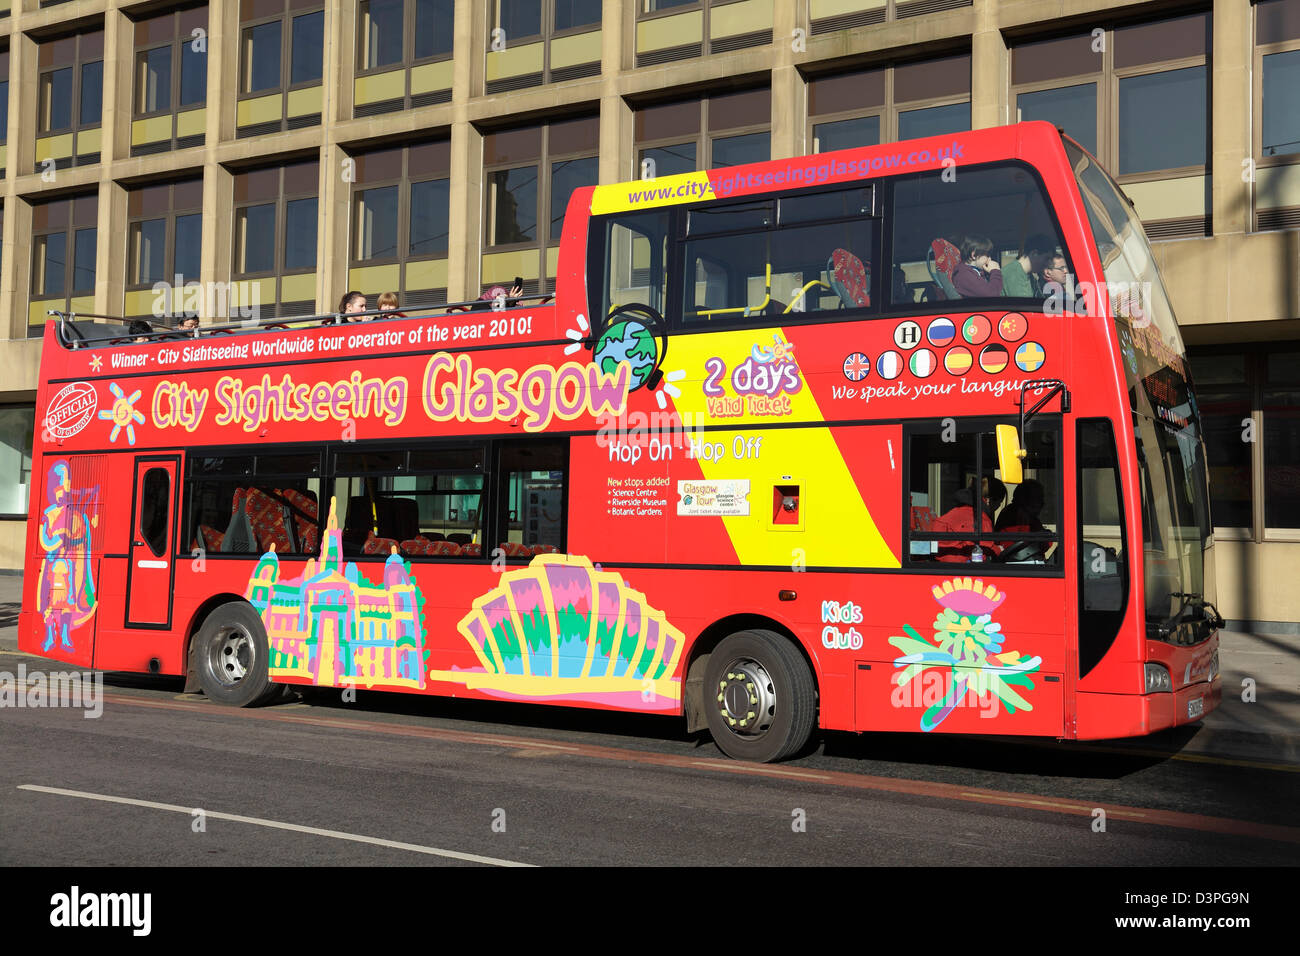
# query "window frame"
(283, 197)
(69, 232)
(984, 425)
(20, 406)
(177, 44)
(169, 217)
(285, 17)
(408, 59)
(77, 67)
(704, 133)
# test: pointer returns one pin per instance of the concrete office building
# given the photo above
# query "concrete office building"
(300, 148)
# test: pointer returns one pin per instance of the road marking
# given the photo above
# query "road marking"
(276, 825)
(836, 778)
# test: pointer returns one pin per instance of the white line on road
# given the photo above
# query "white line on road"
(277, 825)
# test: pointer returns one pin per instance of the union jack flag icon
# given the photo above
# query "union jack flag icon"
(856, 367)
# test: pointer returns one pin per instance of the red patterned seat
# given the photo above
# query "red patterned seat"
(375, 545)
(942, 259)
(305, 513)
(266, 515)
(849, 279)
(445, 548)
(418, 545)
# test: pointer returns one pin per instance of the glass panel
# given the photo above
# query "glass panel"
(1226, 418)
(512, 209)
(1282, 458)
(670, 160)
(308, 41)
(652, 5)
(566, 176)
(377, 223)
(218, 512)
(935, 121)
(4, 109)
(255, 230)
(17, 426)
(262, 57)
(155, 81)
(955, 240)
(846, 134)
(1276, 21)
(92, 92)
(576, 13)
(1072, 108)
(434, 27)
(56, 100)
(155, 501)
(189, 238)
(533, 476)
(635, 255)
(51, 261)
(1162, 120)
(738, 150)
(300, 234)
(194, 74)
(381, 23)
(520, 18)
(1103, 573)
(1283, 367)
(430, 209)
(148, 251)
(1055, 59)
(83, 262)
(1281, 106)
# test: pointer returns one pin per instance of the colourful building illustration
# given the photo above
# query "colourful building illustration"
(562, 629)
(332, 627)
(66, 593)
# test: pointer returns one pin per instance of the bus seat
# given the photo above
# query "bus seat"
(239, 537)
(849, 279)
(306, 513)
(210, 537)
(471, 549)
(417, 545)
(460, 538)
(358, 523)
(266, 515)
(377, 545)
(445, 548)
(545, 549)
(941, 260)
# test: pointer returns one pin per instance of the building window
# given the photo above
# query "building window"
(1277, 129)
(1137, 97)
(17, 426)
(171, 81)
(281, 53)
(524, 52)
(729, 129)
(70, 100)
(1250, 407)
(668, 30)
(404, 52)
(529, 175)
(276, 219)
(4, 110)
(400, 202)
(164, 240)
(63, 258)
(904, 101)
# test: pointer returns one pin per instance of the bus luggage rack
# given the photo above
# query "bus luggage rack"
(117, 329)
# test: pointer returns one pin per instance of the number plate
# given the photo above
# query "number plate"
(1195, 708)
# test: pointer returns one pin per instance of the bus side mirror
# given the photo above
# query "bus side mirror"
(1009, 454)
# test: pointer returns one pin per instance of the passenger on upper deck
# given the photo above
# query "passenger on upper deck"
(351, 303)
(189, 322)
(139, 330)
(978, 275)
(1022, 279)
(388, 303)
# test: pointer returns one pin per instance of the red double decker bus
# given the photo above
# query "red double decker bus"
(893, 439)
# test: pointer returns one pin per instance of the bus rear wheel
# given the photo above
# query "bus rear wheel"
(759, 696)
(230, 652)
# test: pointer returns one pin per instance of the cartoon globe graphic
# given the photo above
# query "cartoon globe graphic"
(628, 341)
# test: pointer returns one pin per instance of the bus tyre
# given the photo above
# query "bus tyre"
(759, 696)
(230, 652)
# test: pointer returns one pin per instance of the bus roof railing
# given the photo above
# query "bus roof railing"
(72, 336)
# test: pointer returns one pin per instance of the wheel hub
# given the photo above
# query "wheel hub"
(746, 698)
(234, 655)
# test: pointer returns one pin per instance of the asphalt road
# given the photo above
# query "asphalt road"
(402, 781)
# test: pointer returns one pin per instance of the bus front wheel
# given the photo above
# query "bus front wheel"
(231, 657)
(759, 696)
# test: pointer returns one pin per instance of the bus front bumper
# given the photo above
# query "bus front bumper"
(1104, 716)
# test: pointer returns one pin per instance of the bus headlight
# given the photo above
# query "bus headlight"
(1158, 679)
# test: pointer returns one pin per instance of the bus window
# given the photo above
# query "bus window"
(426, 502)
(533, 479)
(1002, 208)
(245, 504)
(1103, 572)
(805, 254)
(634, 268)
(953, 471)
(155, 509)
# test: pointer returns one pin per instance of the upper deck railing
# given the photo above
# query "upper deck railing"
(117, 329)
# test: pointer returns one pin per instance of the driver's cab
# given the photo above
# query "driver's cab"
(963, 508)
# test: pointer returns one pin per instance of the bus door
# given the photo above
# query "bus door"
(153, 547)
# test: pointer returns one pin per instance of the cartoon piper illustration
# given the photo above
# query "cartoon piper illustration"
(66, 593)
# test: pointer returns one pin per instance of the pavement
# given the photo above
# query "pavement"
(1260, 713)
